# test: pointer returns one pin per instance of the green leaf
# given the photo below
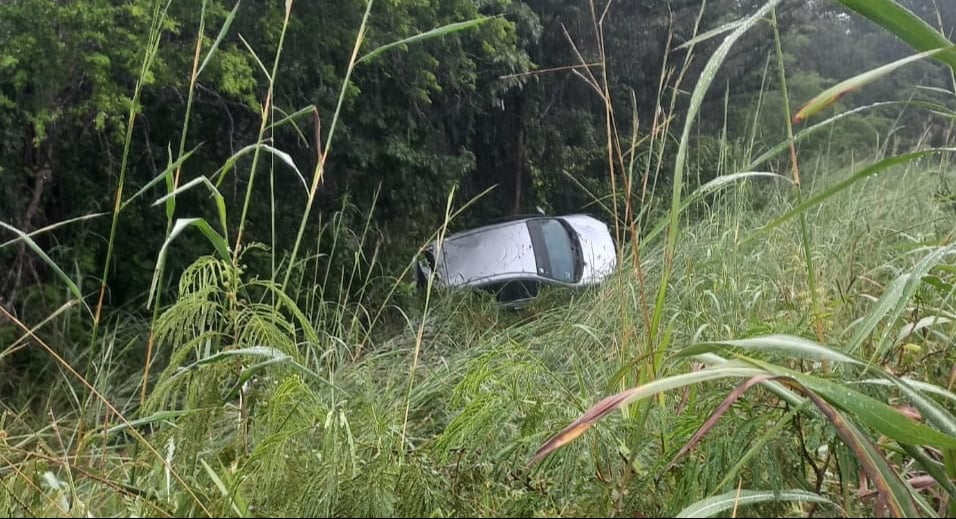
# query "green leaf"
(222, 33)
(795, 346)
(696, 101)
(916, 384)
(713, 185)
(870, 412)
(731, 500)
(159, 178)
(784, 145)
(217, 240)
(868, 171)
(904, 24)
(217, 196)
(434, 33)
(238, 506)
(893, 301)
(74, 289)
(895, 494)
(272, 355)
(155, 417)
(834, 93)
(704, 36)
(619, 400)
(283, 156)
(50, 227)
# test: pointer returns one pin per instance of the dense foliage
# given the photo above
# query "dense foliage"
(209, 208)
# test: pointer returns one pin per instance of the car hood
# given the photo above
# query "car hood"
(597, 247)
(470, 257)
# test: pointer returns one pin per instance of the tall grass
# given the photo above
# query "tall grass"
(297, 397)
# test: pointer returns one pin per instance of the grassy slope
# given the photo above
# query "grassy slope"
(491, 386)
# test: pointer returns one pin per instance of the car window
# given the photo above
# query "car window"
(555, 250)
(514, 290)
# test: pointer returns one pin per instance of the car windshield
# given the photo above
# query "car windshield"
(555, 250)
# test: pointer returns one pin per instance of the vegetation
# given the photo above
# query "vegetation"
(210, 212)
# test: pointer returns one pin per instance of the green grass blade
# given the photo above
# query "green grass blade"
(697, 98)
(234, 502)
(222, 33)
(893, 301)
(619, 400)
(706, 35)
(784, 145)
(218, 241)
(159, 178)
(434, 33)
(871, 412)
(834, 93)
(217, 196)
(896, 495)
(777, 388)
(934, 468)
(715, 184)
(904, 24)
(931, 411)
(868, 171)
(22, 236)
(283, 156)
(153, 418)
(795, 346)
(50, 227)
(731, 500)
(916, 384)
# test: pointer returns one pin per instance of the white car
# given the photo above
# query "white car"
(513, 259)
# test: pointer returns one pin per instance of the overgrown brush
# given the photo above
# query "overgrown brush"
(784, 338)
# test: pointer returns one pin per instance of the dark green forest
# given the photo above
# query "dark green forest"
(202, 197)
(505, 105)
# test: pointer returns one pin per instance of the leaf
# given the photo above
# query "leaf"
(159, 178)
(713, 185)
(274, 356)
(696, 101)
(922, 386)
(870, 412)
(619, 400)
(834, 93)
(283, 156)
(217, 240)
(714, 505)
(868, 171)
(155, 417)
(894, 493)
(234, 501)
(222, 33)
(934, 468)
(784, 145)
(925, 322)
(163, 175)
(434, 33)
(704, 36)
(719, 412)
(904, 24)
(71, 285)
(50, 227)
(217, 196)
(796, 346)
(776, 388)
(893, 301)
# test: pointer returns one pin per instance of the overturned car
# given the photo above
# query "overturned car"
(515, 258)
